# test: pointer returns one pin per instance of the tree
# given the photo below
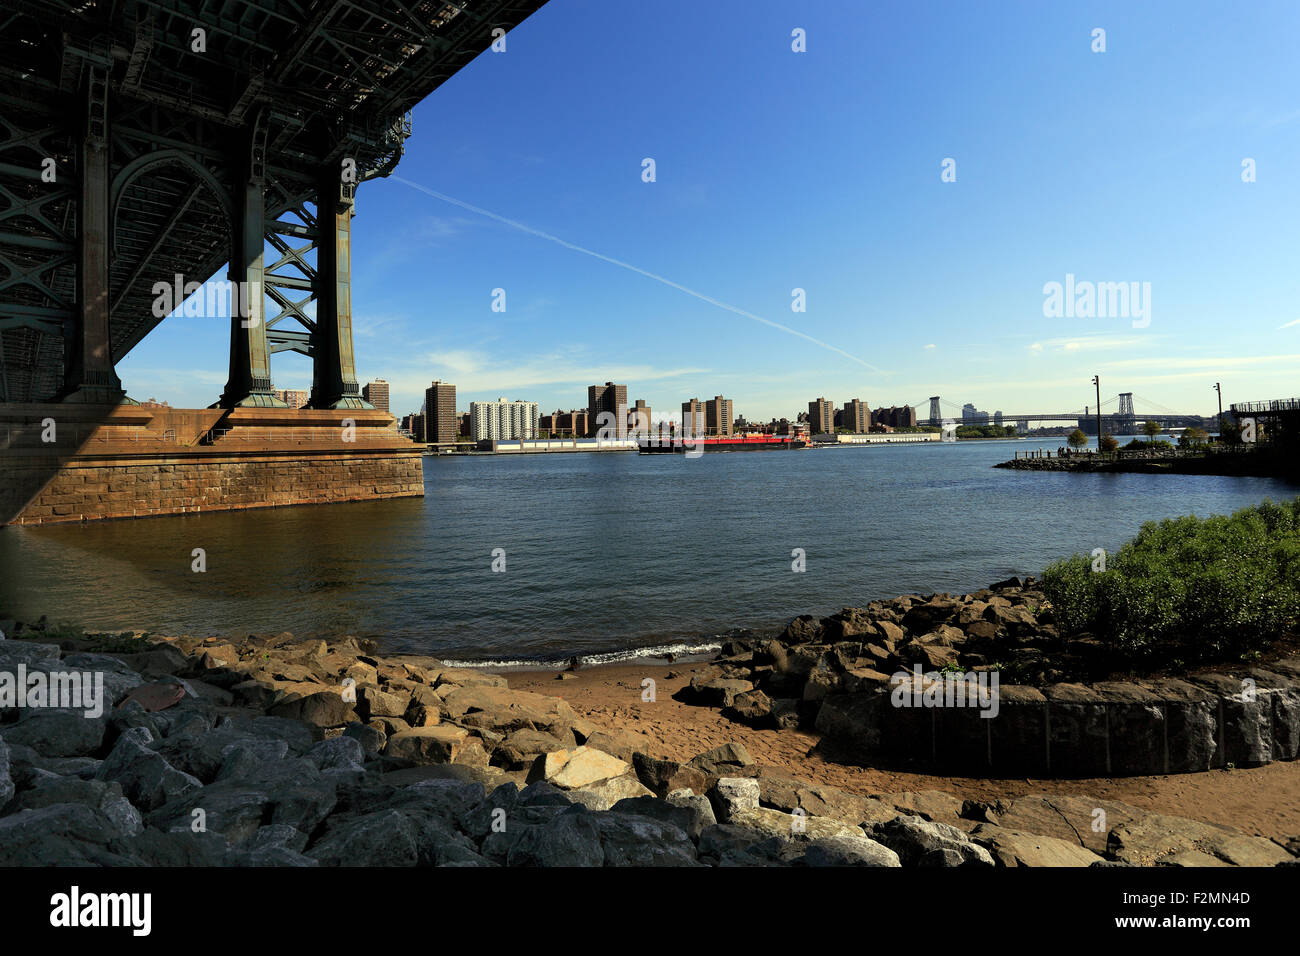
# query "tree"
(1151, 429)
(1192, 436)
(1108, 443)
(1077, 438)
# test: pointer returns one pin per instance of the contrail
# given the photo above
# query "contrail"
(631, 268)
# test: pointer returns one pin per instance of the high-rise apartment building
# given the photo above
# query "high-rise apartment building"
(692, 418)
(293, 397)
(638, 418)
(560, 424)
(376, 393)
(717, 416)
(610, 399)
(895, 416)
(856, 417)
(503, 420)
(821, 416)
(441, 423)
(413, 425)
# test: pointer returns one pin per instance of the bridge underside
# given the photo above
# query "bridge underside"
(144, 143)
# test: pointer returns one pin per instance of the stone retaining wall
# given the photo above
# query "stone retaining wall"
(1205, 722)
(62, 463)
(91, 490)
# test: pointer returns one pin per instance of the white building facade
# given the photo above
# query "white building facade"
(503, 420)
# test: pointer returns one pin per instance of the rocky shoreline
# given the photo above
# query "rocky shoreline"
(1238, 465)
(277, 752)
(1059, 711)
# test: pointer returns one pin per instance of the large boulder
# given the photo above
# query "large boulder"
(635, 840)
(119, 678)
(32, 655)
(732, 795)
(377, 703)
(441, 743)
(325, 708)
(804, 629)
(1081, 820)
(848, 850)
(503, 710)
(58, 733)
(1017, 848)
(690, 814)
(520, 748)
(714, 691)
(752, 707)
(147, 779)
(1157, 839)
(234, 810)
(107, 798)
(791, 826)
(577, 769)
(384, 838)
(923, 843)
(63, 834)
(605, 793)
(571, 837)
(665, 776)
(722, 760)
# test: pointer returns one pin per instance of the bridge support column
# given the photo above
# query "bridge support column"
(249, 383)
(334, 381)
(89, 375)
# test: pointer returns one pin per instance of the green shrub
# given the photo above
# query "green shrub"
(1188, 588)
(1137, 444)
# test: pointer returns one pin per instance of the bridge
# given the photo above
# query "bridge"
(142, 140)
(1122, 418)
(145, 143)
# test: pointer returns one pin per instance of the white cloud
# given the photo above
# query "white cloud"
(1289, 324)
(1092, 343)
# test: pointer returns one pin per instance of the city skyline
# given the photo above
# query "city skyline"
(912, 286)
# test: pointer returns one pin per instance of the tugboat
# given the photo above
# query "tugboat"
(655, 445)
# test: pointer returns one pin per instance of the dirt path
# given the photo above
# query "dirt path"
(1263, 801)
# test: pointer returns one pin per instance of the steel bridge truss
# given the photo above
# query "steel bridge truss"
(144, 140)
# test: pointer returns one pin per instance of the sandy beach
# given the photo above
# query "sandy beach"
(1263, 801)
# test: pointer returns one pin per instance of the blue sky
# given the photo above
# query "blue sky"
(821, 171)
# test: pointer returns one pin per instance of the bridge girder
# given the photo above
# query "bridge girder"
(328, 80)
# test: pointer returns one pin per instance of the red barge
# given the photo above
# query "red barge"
(650, 446)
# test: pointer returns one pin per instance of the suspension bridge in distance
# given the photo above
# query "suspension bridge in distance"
(1119, 416)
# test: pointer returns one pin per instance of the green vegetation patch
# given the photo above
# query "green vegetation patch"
(1188, 589)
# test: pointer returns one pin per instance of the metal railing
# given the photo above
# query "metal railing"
(328, 434)
(1259, 408)
(65, 437)
(1135, 454)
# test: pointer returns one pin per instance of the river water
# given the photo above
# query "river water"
(604, 554)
